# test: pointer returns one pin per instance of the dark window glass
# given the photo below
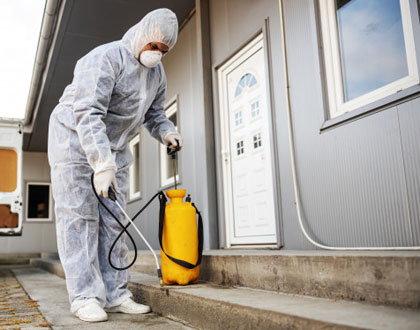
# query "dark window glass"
(170, 170)
(38, 201)
(172, 118)
(136, 167)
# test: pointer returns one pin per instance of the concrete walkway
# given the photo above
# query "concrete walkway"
(50, 293)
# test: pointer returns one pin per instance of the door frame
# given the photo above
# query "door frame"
(225, 210)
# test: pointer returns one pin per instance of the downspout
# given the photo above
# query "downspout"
(293, 158)
(49, 22)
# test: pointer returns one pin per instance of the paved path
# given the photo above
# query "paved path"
(50, 293)
(17, 310)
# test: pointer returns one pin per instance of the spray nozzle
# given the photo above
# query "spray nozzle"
(159, 272)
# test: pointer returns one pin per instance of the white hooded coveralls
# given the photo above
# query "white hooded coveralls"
(110, 97)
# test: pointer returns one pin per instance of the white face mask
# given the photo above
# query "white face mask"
(150, 58)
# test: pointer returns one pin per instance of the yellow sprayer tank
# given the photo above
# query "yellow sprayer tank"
(181, 240)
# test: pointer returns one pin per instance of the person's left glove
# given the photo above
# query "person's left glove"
(171, 139)
(103, 180)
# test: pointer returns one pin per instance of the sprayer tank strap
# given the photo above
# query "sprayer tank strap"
(183, 263)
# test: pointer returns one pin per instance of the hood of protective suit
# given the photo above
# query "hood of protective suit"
(160, 25)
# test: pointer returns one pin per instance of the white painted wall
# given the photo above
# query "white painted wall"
(40, 236)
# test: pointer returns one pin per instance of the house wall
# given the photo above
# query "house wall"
(39, 236)
(183, 81)
(358, 181)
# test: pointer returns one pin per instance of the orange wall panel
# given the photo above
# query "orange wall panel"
(8, 170)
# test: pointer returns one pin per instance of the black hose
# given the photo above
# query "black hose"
(124, 228)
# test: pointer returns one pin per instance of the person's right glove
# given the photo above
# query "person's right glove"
(103, 180)
(171, 140)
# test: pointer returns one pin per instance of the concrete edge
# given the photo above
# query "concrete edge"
(390, 279)
(50, 265)
(212, 314)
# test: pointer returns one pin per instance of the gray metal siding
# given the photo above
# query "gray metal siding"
(409, 121)
(359, 182)
(355, 180)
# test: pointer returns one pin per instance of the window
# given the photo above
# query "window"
(247, 81)
(240, 148)
(167, 165)
(369, 51)
(238, 118)
(255, 109)
(257, 140)
(135, 168)
(38, 201)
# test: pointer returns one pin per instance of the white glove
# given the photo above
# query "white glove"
(103, 180)
(170, 140)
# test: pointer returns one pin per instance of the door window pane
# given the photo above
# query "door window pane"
(240, 148)
(238, 118)
(247, 81)
(257, 141)
(371, 45)
(255, 109)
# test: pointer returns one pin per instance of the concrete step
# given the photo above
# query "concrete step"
(17, 258)
(387, 278)
(210, 306)
(51, 265)
(51, 255)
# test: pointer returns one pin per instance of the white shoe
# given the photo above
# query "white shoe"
(130, 307)
(92, 312)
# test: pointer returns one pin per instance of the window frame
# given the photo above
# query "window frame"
(133, 195)
(332, 65)
(165, 183)
(50, 202)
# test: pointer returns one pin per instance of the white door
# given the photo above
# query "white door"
(246, 146)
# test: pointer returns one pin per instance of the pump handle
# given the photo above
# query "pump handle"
(170, 151)
(111, 194)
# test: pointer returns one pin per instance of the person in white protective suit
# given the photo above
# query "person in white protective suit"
(116, 88)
